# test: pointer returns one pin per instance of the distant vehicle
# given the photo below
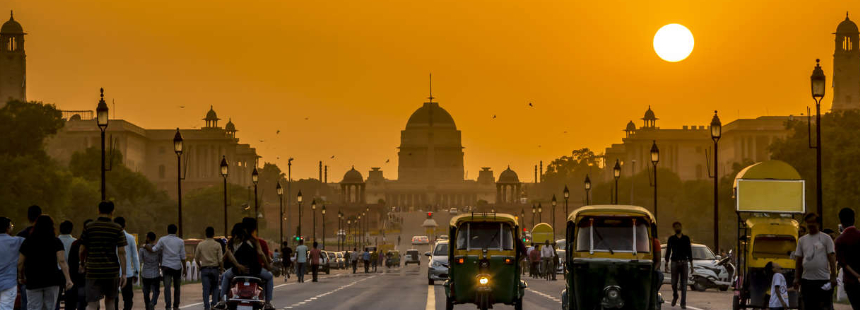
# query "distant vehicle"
(324, 267)
(341, 261)
(437, 267)
(412, 257)
(332, 260)
(420, 240)
(453, 211)
(703, 257)
(442, 238)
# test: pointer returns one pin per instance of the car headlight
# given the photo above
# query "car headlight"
(483, 280)
(435, 264)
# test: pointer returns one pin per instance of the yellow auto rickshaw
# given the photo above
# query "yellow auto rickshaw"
(609, 259)
(768, 195)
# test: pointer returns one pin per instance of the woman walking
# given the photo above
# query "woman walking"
(40, 255)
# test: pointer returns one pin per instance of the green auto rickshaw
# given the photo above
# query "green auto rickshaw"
(483, 260)
(609, 259)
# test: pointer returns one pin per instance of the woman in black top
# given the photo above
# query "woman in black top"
(39, 256)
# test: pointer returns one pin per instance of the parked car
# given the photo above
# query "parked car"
(324, 265)
(437, 267)
(420, 240)
(412, 257)
(442, 238)
(453, 211)
(332, 260)
(340, 260)
(703, 258)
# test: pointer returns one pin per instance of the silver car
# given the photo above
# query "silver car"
(438, 265)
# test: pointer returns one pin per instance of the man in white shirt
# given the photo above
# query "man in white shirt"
(172, 264)
(547, 253)
(816, 266)
(132, 268)
(301, 260)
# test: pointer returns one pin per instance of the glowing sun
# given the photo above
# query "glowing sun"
(673, 42)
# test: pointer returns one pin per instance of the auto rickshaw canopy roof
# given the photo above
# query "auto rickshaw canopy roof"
(610, 210)
(542, 232)
(484, 217)
(771, 186)
(770, 169)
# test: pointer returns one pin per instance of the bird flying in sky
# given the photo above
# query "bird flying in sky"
(531, 105)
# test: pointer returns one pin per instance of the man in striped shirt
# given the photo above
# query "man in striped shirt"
(104, 243)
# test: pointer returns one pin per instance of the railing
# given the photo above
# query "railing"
(82, 114)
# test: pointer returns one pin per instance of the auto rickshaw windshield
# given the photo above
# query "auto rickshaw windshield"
(481, 235)
(612, 234)
(773, 246)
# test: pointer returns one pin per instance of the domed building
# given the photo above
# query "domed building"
(508, 187)
(352, 187)
(846, 66)
(13, 64)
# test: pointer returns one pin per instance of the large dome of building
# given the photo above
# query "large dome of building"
(431, 114)
(11, 26)
(352, 177)
(508, 177)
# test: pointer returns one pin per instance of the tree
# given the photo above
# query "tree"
(840, 161)
(205, 207)
(26, 125)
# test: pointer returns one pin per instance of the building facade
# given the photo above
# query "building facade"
(13, 62)
(150, 151)
(688, 151)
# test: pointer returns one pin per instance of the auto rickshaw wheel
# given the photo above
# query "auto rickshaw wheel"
(518, 305)
(736, 303)
(449, 305)
(429, 281)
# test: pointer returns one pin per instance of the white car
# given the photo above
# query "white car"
(420, 240)
(453, 211)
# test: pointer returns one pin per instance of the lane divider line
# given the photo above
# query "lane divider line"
(431, 298)
(327, 293)
(548, 296)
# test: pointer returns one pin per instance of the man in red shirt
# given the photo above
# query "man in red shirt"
(848, 255)
(534, 259)
(315, 261)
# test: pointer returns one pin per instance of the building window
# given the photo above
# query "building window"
(161, 172)
(847, 44)
(12, 45)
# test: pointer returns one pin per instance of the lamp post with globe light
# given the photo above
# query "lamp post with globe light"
(323, 222)
(587, 185)
(553, 203)
(299, 201)
(566, 193)
(818, 85)
(224, 166)
(655, 158)
(716, 133)
(280, 191)
(102, 122)
(255, 177)
(616, 172)
(314, 217)
(177, 148)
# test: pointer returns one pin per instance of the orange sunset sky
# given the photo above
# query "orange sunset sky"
(358, 69)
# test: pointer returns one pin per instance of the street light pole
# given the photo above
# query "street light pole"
(553, 203)
(566, 193)
(177, 147)
(299, 200)
(255, 177)
(655, 158)
(540, 213)
(534, 213)
(224, 167)
(616, 171)
(716, 133)
(314, 216)
(280, 191)
(817, 81)
(289, 194)
(102, 122)
(587, 190)
(323, 222)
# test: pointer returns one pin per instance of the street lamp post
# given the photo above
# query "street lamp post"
(655, 158)
(102, 122)
(553, 203)
(534, 213)
(339, 218)
(349, 230)
(566, 193)
(314, 217)
(177, 147)
(255, 177)
(280, 191)
(359, 238)
(523, 215)
(716, 133)
(299, 201)
(224, 167)
(323, 222)
(587, 190)
(616, 172)
(540, 213)
(817, 81)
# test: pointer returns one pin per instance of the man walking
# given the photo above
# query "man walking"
(287, 261)
(9, 247)
(366, 260)
(132, 267)
(301, 261)
(33, 212)
(149, 272)
(66, 236)
(848, 256)
(315, 261)
(172, 264)
(209, 258)
(679, 251)
(353, 257)
(816, 266)
(534, 261)
(103, 254)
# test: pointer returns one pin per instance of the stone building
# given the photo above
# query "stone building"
(846, 66)
(150, 151)
(13, 62)
(688, 150)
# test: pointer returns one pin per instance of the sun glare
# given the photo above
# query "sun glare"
(673, 42)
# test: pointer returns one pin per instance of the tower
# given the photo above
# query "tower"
(13, 65)
(846, 67)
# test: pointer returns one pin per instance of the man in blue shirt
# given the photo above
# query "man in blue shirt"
(301, 260)
(9, 247)
(132, 267)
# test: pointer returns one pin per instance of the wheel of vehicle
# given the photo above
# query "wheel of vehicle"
(736, 303)
(429, 281)
(518, 305)
(449, 305)
(699, 285)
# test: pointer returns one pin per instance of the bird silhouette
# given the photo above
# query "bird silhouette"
(277, 132)
(494, 116)
(531, 105)
(332, 157)
(387, 160)
(306, 118)
(182, 107)
(262, 140)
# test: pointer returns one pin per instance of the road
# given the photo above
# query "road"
(406, 287)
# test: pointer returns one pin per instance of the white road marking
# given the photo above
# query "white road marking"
(191, 305)
(431, 298)
(548, 296)
(694, 308)
(327, 293)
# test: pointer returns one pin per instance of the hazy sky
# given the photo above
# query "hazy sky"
(358, 69)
